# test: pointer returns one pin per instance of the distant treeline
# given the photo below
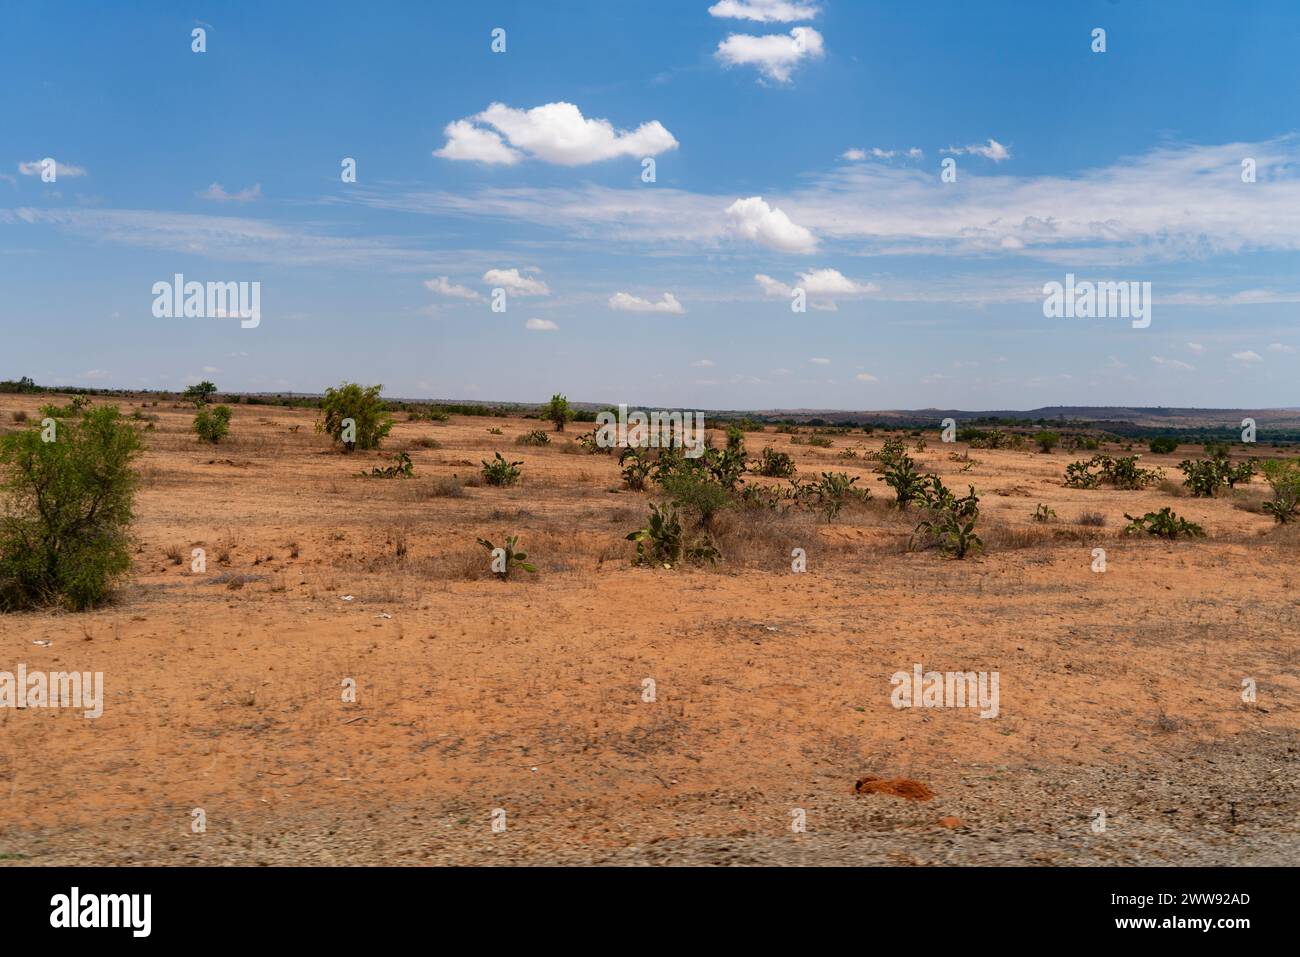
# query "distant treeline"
(745, 420)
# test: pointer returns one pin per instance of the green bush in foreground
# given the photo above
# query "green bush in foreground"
(1163, 524)
(64, 530)
(355, 417)
(1283, 476)
(212, 424)
(501, 473)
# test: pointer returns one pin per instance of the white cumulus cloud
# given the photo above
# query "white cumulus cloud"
(755, 220)
(994, 151)
(445, 287)
(822, 285)
(832, 282)
(554, 133)
(512, 282)
(629, 303)
(774, 55)
(465, 141)
(541, 325)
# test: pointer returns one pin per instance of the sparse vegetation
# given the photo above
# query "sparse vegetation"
(536, 438)
(1122, 473)
(1046, 441)
(355, 416)
(662, 541)
(636, 468)
(506, 559)
(902, 477)
(401, 468)
(557, 412)
(1283, 477)
(1163, 524)
(1205, 477)
(201, 394)
(68, 506)
(773, 464)
(501, 473)
(212, 424)
(951, 522)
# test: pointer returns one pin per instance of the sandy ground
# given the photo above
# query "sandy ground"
(1119, 691)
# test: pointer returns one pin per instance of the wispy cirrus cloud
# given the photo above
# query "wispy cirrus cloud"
(37, 167)
(218, 194)
(1169, 204)
(624, 302)
(764, 11)
(445, 287)
(992, 150)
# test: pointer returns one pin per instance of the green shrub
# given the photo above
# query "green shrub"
(951, 523)
(536, 437)
(1163, 445)
(1163, 524)
(1047, 440)
(591, 446)
(500, 472)
(990, 438)
(64, 531)
(891, 452)
(201, 393)
(727, 466)
(774, 464)
(833, 490)
(698, 492)
(947, 531)
(508, 559)
(903, 478)
(662, 541)
(1122, 473)
(370, 420)
(557, 411)
(1204, 477)
(401, 468)
(636, 468)
(212, 424)
(1283, 476)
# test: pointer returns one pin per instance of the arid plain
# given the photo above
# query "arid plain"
(1120, 691)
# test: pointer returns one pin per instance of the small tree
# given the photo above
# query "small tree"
(212, 425)
(557, 411)
(354, 416)
(67, 509)
(201, 393)
(1047, 440)
(1284, 478)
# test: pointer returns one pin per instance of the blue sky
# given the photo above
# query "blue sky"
(797, 144)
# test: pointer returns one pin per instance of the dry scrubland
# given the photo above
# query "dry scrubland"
(1118, 691)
